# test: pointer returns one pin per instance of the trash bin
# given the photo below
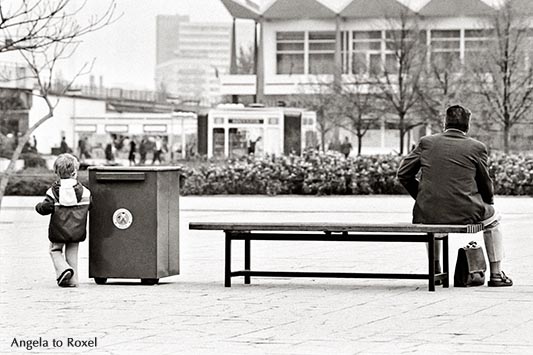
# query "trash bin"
(134, 223)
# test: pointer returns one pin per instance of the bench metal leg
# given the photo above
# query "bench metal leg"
(227, 268)
(431, 260)
(247, 262)
(445, 262)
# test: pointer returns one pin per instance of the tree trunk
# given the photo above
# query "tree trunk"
(16, 154)
(11, 167)
(402, 132)
(506, 138)
(359, 144)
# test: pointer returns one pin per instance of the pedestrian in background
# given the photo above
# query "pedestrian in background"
(158, 149)
(346, 147)
(143, 149)
(63, 146)
(252, 144)
(68, 202)
(131, 154)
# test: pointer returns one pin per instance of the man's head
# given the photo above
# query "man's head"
(66, 166)
(457, 117)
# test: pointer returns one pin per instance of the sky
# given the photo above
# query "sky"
(124, 52)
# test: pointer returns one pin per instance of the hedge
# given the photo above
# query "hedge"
(35, 182)
(331, 174)
(311, 174)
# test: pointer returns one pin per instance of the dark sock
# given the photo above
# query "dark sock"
(438, 268)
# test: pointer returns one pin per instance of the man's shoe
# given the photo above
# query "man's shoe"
(65, 276)
(69, 285)
(501, 281)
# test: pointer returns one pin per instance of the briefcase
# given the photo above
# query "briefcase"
(470, 267)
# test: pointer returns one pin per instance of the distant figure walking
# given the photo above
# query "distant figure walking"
(131, 155)
(63, 146)
(83, 149)
(110, 151)
(143, 149)
(252, 144)
(346, 147)
(158, 149)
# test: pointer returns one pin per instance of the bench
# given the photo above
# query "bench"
(337, 232)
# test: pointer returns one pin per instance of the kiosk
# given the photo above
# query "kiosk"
(232, 131)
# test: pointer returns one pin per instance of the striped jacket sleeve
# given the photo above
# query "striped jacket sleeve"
(46, 207)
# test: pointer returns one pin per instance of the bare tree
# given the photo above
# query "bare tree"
(245, 60)
(33, 24)
(45, 33)
(323, 101)
(503, 77)
(443, 83)
(355, 104)
(399, 81)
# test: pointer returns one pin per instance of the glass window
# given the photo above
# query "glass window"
(359, 63)
(366, 35)
(366, 57)
(476, 42)
(446, 49)
(237, 143)
(290, 52)
(218, 142)
(391, 63)
(446, 34)
(321, 63)
(446, 60)
(375, 63)
(321, 52)
(290, 63)
(290, 46)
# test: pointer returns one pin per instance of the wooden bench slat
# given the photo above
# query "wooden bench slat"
(337, 227)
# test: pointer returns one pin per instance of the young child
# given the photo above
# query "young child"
(68, 202)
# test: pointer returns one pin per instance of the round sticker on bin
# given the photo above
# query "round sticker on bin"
(122, 218)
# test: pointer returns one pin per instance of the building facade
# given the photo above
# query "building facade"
(79, 118)
(191, 57)
(304, 42)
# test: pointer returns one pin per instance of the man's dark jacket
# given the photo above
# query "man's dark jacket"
(454, 186)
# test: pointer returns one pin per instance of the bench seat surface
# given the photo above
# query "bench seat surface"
(338, 227)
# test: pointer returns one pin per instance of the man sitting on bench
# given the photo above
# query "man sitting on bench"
(454, 186)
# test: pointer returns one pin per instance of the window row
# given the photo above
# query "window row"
(374, 51)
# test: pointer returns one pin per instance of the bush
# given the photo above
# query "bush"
(311, 174)
(33, 160)
(35, 182)
(30, 182)
(331, 174)
(512, 174)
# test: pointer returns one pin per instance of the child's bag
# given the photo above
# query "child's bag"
(470, 267)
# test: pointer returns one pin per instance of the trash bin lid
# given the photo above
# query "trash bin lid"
(135, 168)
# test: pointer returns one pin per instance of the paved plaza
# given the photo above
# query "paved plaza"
(193, 313)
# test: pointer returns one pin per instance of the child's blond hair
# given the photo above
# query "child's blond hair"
(66, 165)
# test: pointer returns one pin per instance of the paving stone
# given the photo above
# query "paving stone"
(193, 313)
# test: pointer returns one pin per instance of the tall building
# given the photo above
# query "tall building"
(190, 58)
(167, 36)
